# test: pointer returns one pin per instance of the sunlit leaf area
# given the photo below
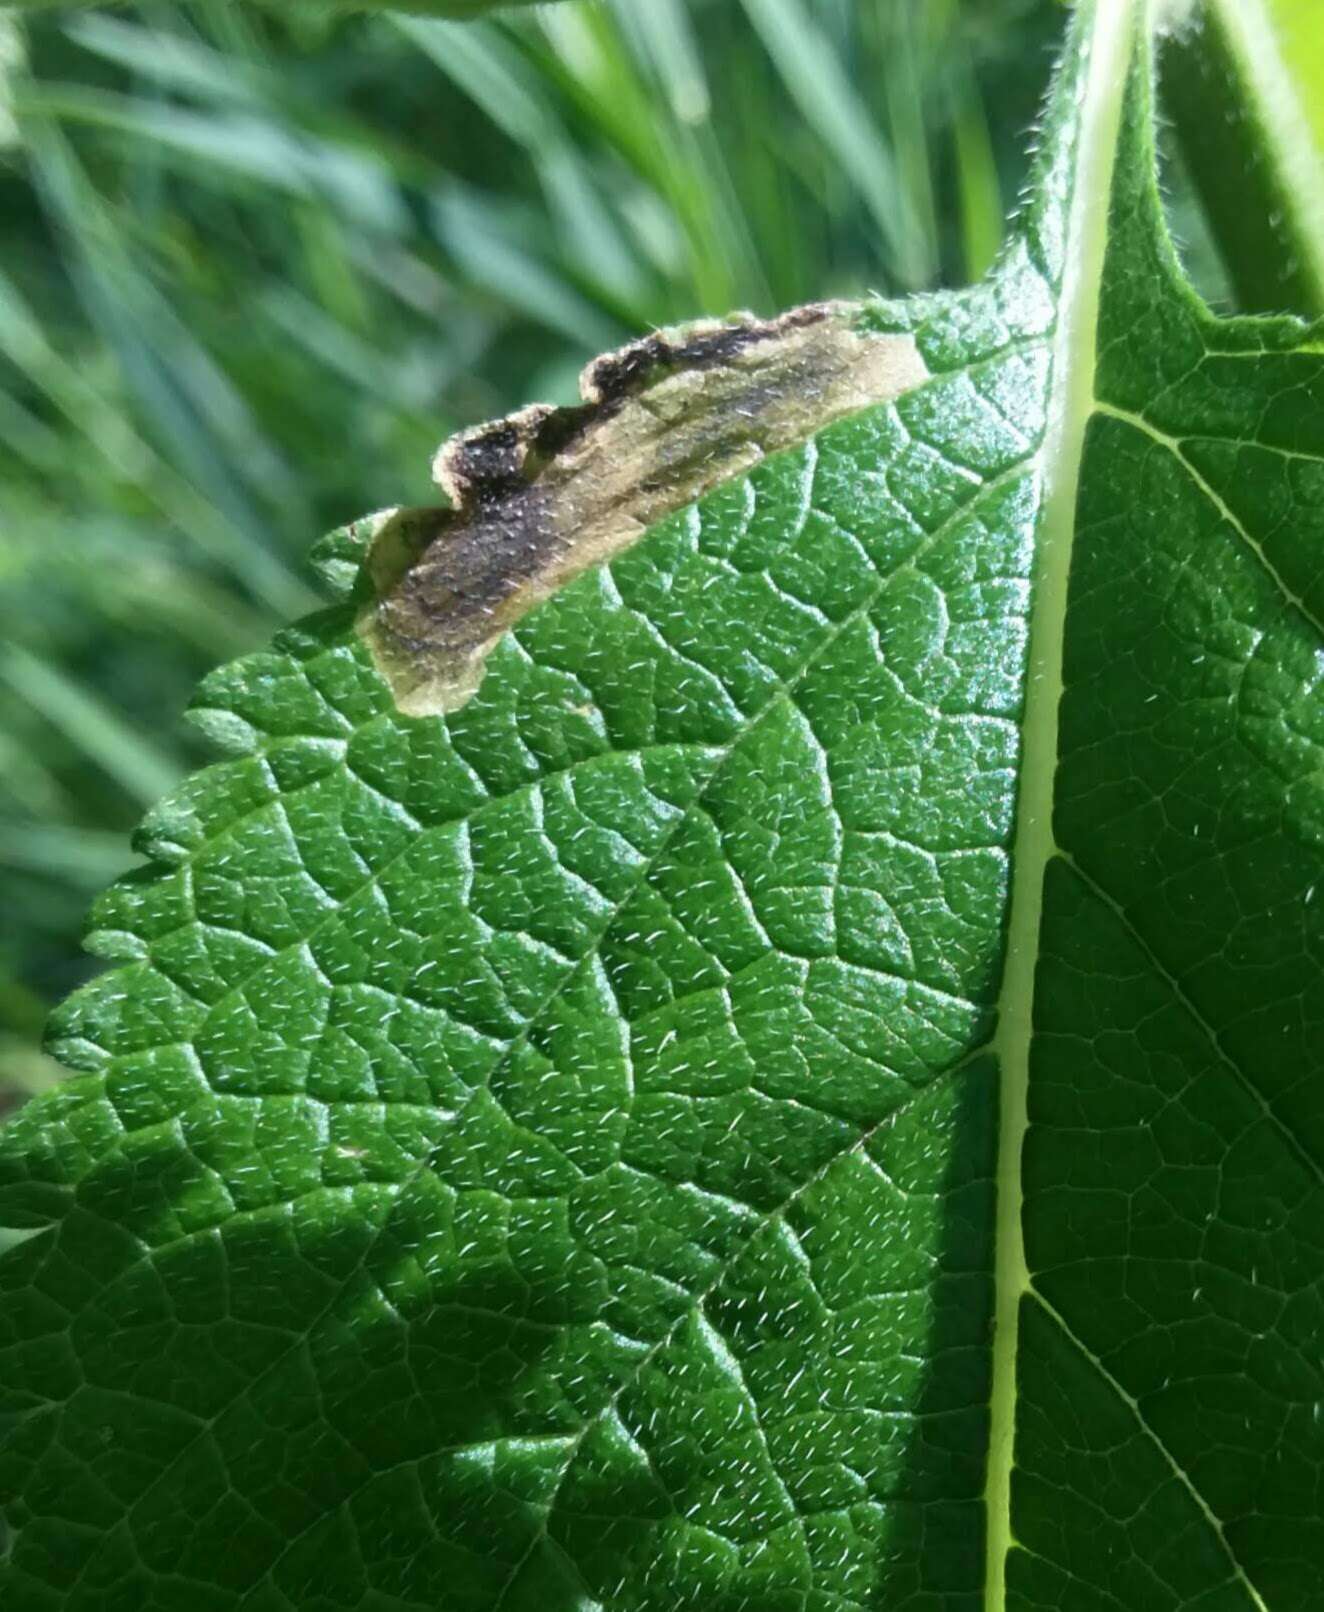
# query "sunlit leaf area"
(256, 263)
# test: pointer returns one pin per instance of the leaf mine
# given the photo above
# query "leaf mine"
(541, 496)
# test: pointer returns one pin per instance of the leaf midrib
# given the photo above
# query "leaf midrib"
(1035, 843)
(1112, 31)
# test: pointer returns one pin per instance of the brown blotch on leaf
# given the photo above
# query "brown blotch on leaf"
(543, 495)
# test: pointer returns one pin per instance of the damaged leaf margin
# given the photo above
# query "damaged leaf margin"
(547, 493)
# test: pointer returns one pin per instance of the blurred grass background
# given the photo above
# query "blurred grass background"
(255, 263)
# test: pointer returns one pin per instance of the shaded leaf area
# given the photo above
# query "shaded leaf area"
(1170, 1449)
(1237, 83)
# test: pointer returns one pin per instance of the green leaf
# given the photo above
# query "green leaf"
(1238, 82)
(793, 1080)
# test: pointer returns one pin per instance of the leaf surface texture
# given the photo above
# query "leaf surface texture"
(547, 1155)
